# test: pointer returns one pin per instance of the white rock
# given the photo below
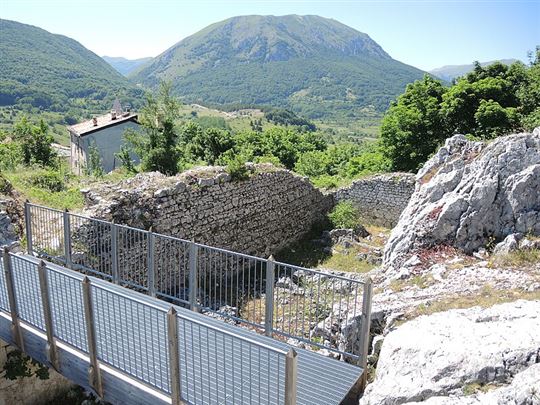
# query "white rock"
(469, 192)
(437, 355)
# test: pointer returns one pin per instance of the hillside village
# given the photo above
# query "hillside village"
(209, 239)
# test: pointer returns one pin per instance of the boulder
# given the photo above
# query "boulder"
(440, 354)
(469, 194)
(508, 245)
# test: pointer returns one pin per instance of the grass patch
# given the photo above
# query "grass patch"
(485, 298)
(420, 281)
(475, 388)
(519, 258)
(346, 261)
(56, 189)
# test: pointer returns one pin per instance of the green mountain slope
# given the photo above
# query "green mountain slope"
(54, 72)
(313, 65)
(125, 66)
(450, 72)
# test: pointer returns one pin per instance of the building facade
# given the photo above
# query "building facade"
(106, 134)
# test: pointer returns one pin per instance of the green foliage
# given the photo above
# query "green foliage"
(19, 365)
(125, 158)
(36, 143)
(208, 144)
(10, 156)
(157, 144)
(48, 179)
(370, 161)
(236, 167)
(487, 102)
(344, 215)
(47, 71)
(413, 127)
(94, 163)
(284, 117)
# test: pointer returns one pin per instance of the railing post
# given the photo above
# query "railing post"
(94, 372)
(291, 368)
(364, 332)
(150, 264)
(67, 239)
(174, 358)
(16, 331)
(193, 276)
(52, 352)
(269, 306)
(114, 253)
(28, 225)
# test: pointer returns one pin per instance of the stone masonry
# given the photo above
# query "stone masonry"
(380, 199)
(257, 216)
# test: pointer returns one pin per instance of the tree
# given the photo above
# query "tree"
(413, 126)
(493, 120)
(125, 158)
(94, 164)
(36, 143)
(157, 144)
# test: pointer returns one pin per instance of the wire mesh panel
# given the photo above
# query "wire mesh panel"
(27, 291)
(91, 245)
(133, 257)
(307, 303)
(171, 266)
(232, 284)
(66, 298)
(220, 368)
(132, 338)
(4, 301)
(47, 230)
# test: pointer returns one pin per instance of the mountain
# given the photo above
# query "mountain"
(125, 66)
(313, 65)
(50, 71)
(453, 71)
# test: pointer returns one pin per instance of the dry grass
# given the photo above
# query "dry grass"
(485, 298)
(475, 388)
(420, 281)
(517, 259)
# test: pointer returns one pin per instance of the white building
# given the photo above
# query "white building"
(106, 133)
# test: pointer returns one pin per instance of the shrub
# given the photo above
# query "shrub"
(50, 180)
(236, 167)
(344, 215)
(10, 156)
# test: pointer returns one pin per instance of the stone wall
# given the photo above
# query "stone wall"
(11, 214)
(381, 198)
(258, 216)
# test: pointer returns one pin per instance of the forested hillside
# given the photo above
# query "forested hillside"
(54, 72)
(315, 66)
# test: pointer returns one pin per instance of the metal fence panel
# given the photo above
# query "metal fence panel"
(26, 283)
(67, 309)
(132, 337)
(4, 302)
(228, 284)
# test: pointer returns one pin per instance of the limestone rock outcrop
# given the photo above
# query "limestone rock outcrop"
(444, 354)
(471, 194)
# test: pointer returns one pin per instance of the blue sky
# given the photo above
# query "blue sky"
(423, 33)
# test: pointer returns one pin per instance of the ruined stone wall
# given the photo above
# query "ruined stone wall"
(258, 216)
(381, 198)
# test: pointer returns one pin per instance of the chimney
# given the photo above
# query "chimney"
(113, 114)
(94, 121)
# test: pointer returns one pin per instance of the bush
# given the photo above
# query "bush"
(236, 167)
(344, 215)
(50, 180)
(10, 155)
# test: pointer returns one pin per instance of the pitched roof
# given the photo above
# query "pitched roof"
(103, 121)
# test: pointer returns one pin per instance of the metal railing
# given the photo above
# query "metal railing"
(179, 356)
(279, 299)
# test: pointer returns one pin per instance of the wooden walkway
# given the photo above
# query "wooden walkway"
(220, 363)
